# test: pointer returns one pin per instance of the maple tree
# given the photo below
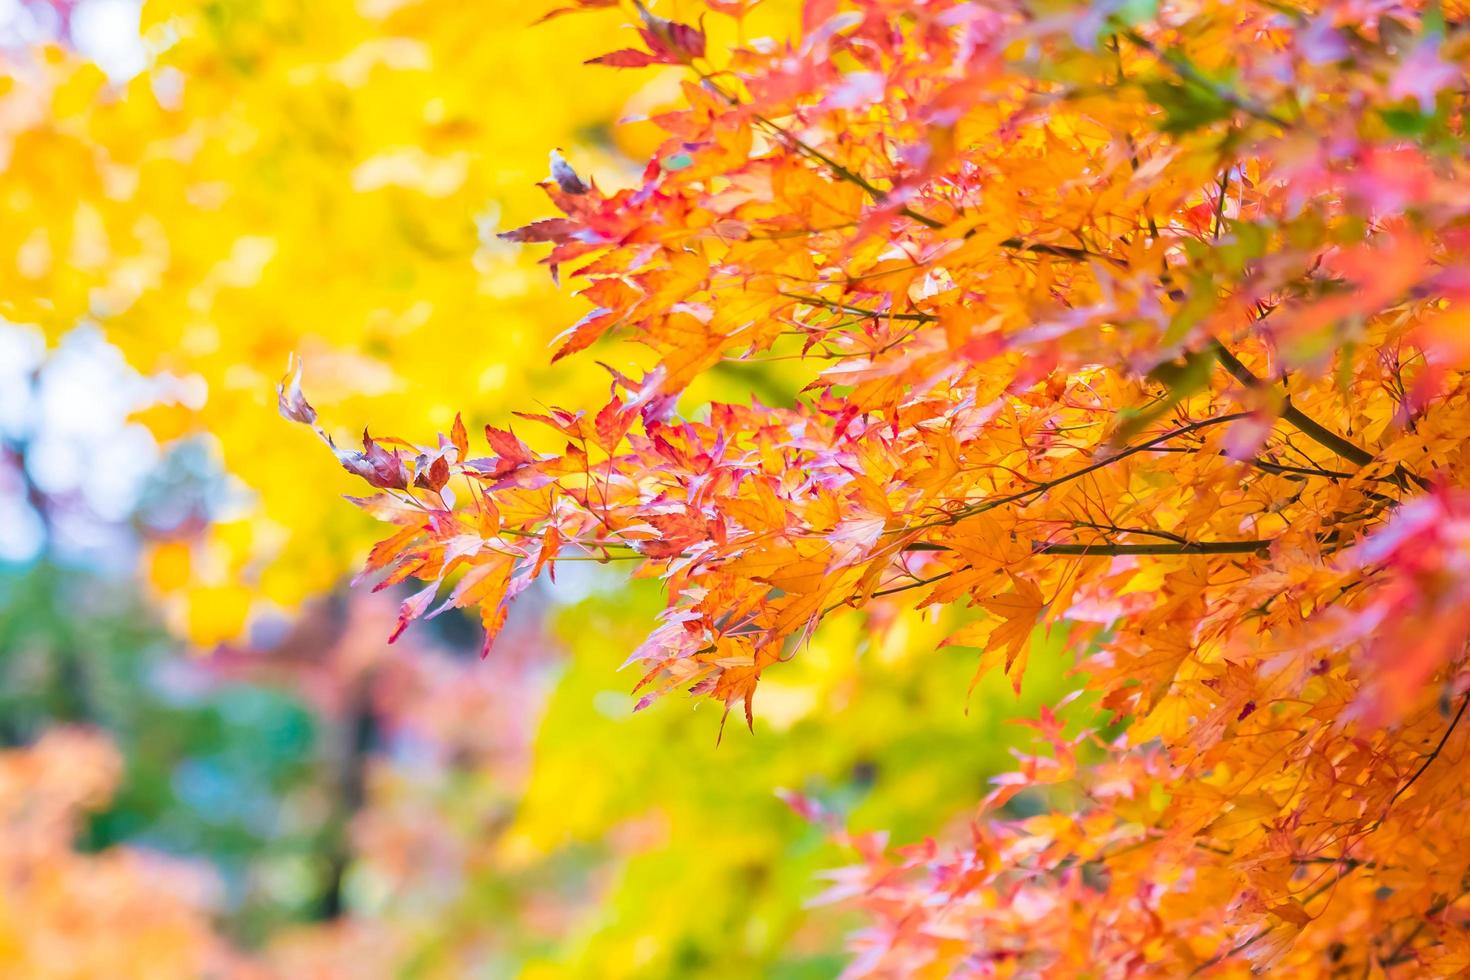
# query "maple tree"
(1142, 326)
(330, 806)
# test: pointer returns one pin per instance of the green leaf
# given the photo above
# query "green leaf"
(1182, 379)
(1134, 12)
(1406, 121)
(1200, 300)
(1187, 106)
(1433, 21)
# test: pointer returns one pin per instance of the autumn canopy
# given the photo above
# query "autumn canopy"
(1142, 326)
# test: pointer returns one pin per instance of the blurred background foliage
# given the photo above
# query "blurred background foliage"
(212, 763)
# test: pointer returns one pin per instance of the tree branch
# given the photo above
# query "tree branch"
(1187, 71)
(1308, 426)
(1429, 759)
(1040, 488)
(858, 310)
(1105, 548)
(879, 195)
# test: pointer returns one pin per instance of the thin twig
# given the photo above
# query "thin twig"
(1429, 759)
(988, 505)
(1187, 71)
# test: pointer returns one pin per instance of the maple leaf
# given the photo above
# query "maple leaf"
(1020, 613)
(292, 403)
(380, 467)
(628, 58)
(677, 531)
(459, 438)
(1423, 75)
(412, 608)
(545, 230)
(566, 178)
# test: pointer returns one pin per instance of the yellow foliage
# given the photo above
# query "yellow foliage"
(323, 178)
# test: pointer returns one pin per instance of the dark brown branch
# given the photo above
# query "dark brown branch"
(1285, 469)
(1107, 548)
(1300, 473)
(1290, 414)
(1145, 531)
(916, 584)
(896, 589)
(1176, 540)
(1220, 202)
(858, 310)
(1313, 429)
(1058, 251)
(1309, 427)
(1187, 71)
(1324, 436)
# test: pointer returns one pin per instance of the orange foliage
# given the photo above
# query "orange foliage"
(118, 913)
(1143, 323)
